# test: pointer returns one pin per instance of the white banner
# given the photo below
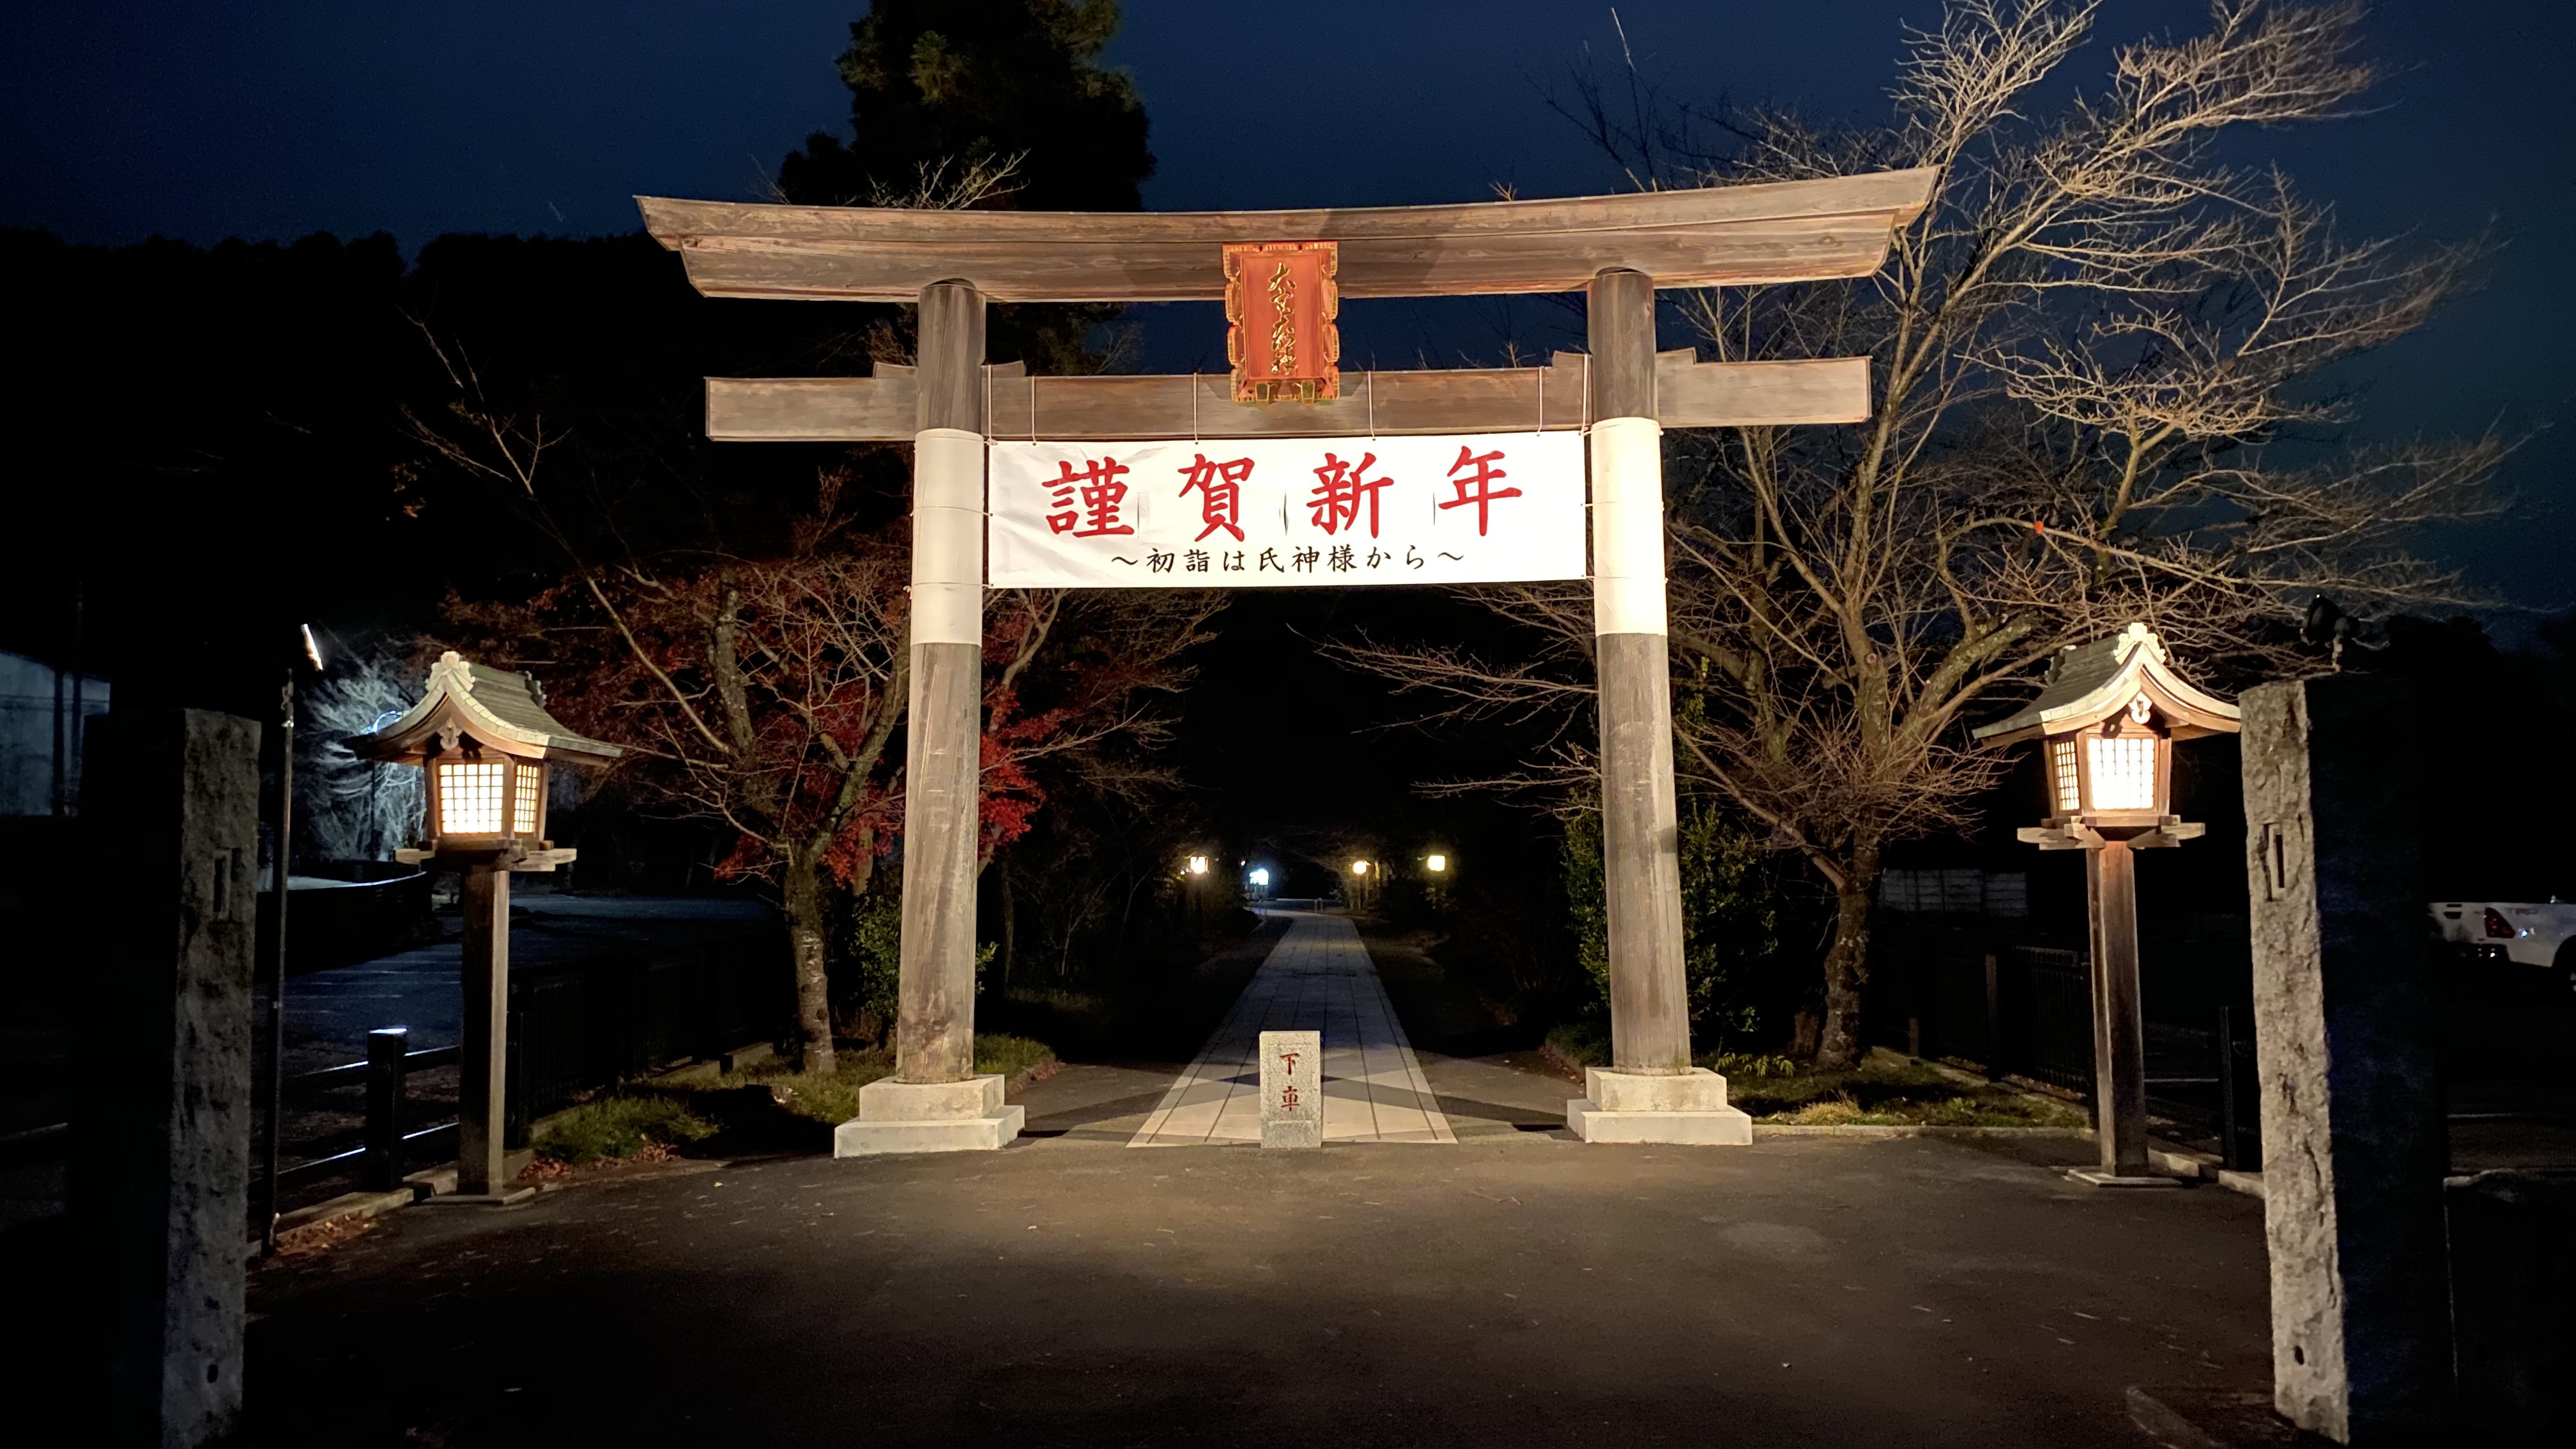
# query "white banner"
(1287, 512)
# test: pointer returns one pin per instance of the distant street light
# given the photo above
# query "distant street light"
(1261, 878)
(1437, 864)
(1359, 867)
(1198, 865)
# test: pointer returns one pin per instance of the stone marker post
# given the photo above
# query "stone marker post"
(1651, 1093)
(2346, 1044)
(1292, 1089)
(159, 1186)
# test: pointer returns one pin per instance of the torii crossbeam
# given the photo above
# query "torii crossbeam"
(1622, 393)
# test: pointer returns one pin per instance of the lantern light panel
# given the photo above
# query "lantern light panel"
(2070, 793)
(2124, 771)
(470, 795)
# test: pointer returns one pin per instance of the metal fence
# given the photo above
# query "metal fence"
(1955, 992)
(575, 1027)
(582, 1025)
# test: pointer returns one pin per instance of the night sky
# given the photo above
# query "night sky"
(272, 120)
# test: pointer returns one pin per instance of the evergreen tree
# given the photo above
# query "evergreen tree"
(945, 90)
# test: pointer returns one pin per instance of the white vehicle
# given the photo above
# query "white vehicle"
(2523, 932)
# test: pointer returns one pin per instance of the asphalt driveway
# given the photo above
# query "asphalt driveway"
(1511, 1288)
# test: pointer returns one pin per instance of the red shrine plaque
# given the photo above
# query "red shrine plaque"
(1280, 302)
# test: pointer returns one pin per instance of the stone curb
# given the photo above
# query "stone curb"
(2207, 1418)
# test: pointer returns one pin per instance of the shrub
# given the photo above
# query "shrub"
(1583, 1043)
(1748, 1066)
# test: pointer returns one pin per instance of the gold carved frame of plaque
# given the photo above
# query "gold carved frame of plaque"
(1282, 301)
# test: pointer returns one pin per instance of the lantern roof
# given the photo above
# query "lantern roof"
(493, 706)
(2089, 683)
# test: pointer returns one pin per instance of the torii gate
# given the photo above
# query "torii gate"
(1618, 249)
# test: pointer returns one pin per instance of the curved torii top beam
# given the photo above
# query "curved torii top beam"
(1788, 231)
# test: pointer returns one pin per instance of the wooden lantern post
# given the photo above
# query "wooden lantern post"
(485, 739)
(2108, 717)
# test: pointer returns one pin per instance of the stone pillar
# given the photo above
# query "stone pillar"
(2347, 1032)
(159, 1187)
(1651, 1093)
(935, 1101)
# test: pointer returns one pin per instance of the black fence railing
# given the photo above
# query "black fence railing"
(386, 1146)
(582, 1025)
(575, 1027)
(2012, 1008)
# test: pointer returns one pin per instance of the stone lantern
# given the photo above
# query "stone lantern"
(2107, 717)
(485, 739)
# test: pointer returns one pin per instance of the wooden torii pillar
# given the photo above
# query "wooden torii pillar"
(1624, 393)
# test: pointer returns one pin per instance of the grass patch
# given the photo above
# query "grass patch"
(621, 1127)
(769, 1107)
(832, 1097)
(828, 1097)
(1747, 1066)
(1887, 1091)
(1578, 1044)
(1010, 1055)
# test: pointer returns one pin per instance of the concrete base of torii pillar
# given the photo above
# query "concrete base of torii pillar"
(1686, 1110)
(967, 1116)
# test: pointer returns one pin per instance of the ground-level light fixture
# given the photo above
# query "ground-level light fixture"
(485, 739)
(2107, 717)
(1198, 865)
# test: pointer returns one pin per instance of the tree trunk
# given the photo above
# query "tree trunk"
(1847, 965)
(1010, 933)
(805, 946)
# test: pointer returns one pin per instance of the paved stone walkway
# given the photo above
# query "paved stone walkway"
(1318, 978)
